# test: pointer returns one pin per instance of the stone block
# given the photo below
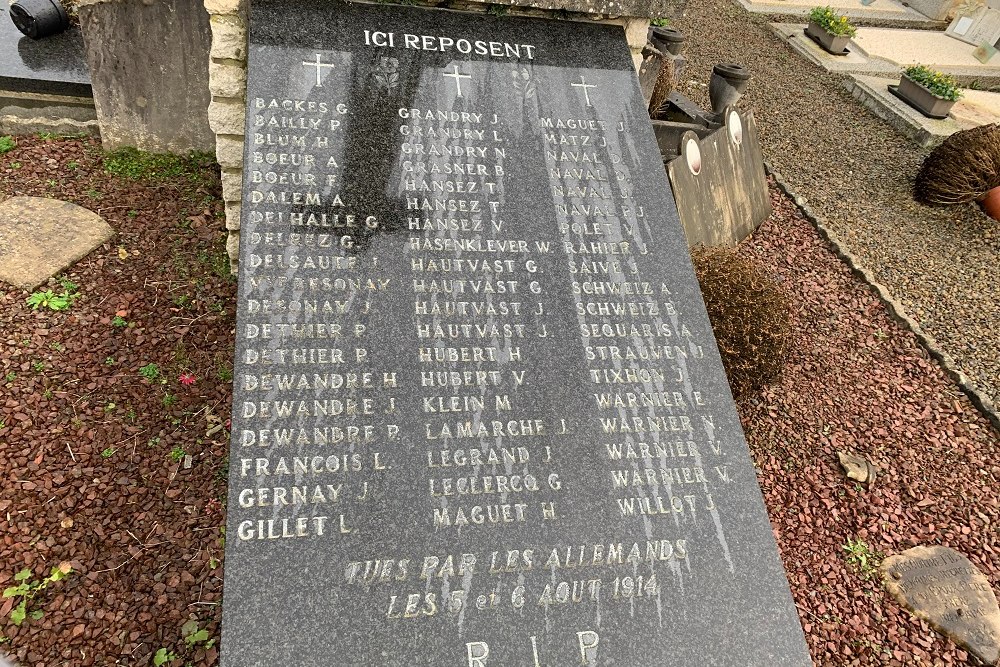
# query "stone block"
(225, 6)
(232, 216)
(226, 116)
(232, 184)
(229, 151)
(233, 249)
(229, 38)
(149, 71)
(227, 80)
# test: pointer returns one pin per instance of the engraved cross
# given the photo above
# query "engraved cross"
(458, 79)
(583, 84)
(318, 65)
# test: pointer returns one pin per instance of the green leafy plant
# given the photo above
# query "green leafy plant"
(7, 144)
(49, 299)
(38, 366)
(163, 656)
(862, 557)
(939, 85)
(193, 635)
(108, 452)
(169, 399)
(150, 371)
(27, 589)
(177, 453)
(119, 322)
(660, 22)
(11, 375)
(832, 22)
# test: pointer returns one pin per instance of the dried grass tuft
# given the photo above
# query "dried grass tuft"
(750, 317)
(962, 169)
(663, 86)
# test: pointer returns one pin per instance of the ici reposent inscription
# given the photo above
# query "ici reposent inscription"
(479, 418)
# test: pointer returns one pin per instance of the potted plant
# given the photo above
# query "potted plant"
(928, 91)
(830, 30)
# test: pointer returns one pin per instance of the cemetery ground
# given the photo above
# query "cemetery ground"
(114, 434)
(857, 175)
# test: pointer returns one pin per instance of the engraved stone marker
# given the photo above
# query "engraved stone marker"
(941, 586)
(479, 417)
(980, 27)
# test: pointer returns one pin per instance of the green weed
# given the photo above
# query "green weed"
(7, 144)
(49, 299)
(27, 589)
(163, 656)
(193, 635)
(862, 557)
(138, 165)
(150, 372)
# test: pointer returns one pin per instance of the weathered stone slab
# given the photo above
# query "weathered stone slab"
(149, 66)
(41, 237)
(941, 586)
(719, 183)
(479, 416)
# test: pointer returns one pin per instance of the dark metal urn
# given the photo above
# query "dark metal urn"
(666, 39)
(39, 18)
(727, 85)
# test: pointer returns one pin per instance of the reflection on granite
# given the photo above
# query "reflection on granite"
(54, 64)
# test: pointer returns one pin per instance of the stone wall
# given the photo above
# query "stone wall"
(227, 74)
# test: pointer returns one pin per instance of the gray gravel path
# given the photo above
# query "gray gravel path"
(856, 173)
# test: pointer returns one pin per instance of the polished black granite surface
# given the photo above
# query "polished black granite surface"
(53, 64)
(479, 417)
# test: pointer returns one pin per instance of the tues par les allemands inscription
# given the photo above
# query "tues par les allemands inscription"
(479, 419)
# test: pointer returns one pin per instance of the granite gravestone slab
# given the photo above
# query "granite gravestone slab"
(53, 65)
(479, 417)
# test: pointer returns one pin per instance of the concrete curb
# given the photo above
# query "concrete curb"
(951, 369)
(14, 124)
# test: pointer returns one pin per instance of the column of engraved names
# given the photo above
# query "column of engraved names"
(475, 298)
(312, 420)
(654, 430)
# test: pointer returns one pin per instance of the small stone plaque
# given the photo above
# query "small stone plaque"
(984, 53)
(479, 417)
(979, 27)
(941, 586)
